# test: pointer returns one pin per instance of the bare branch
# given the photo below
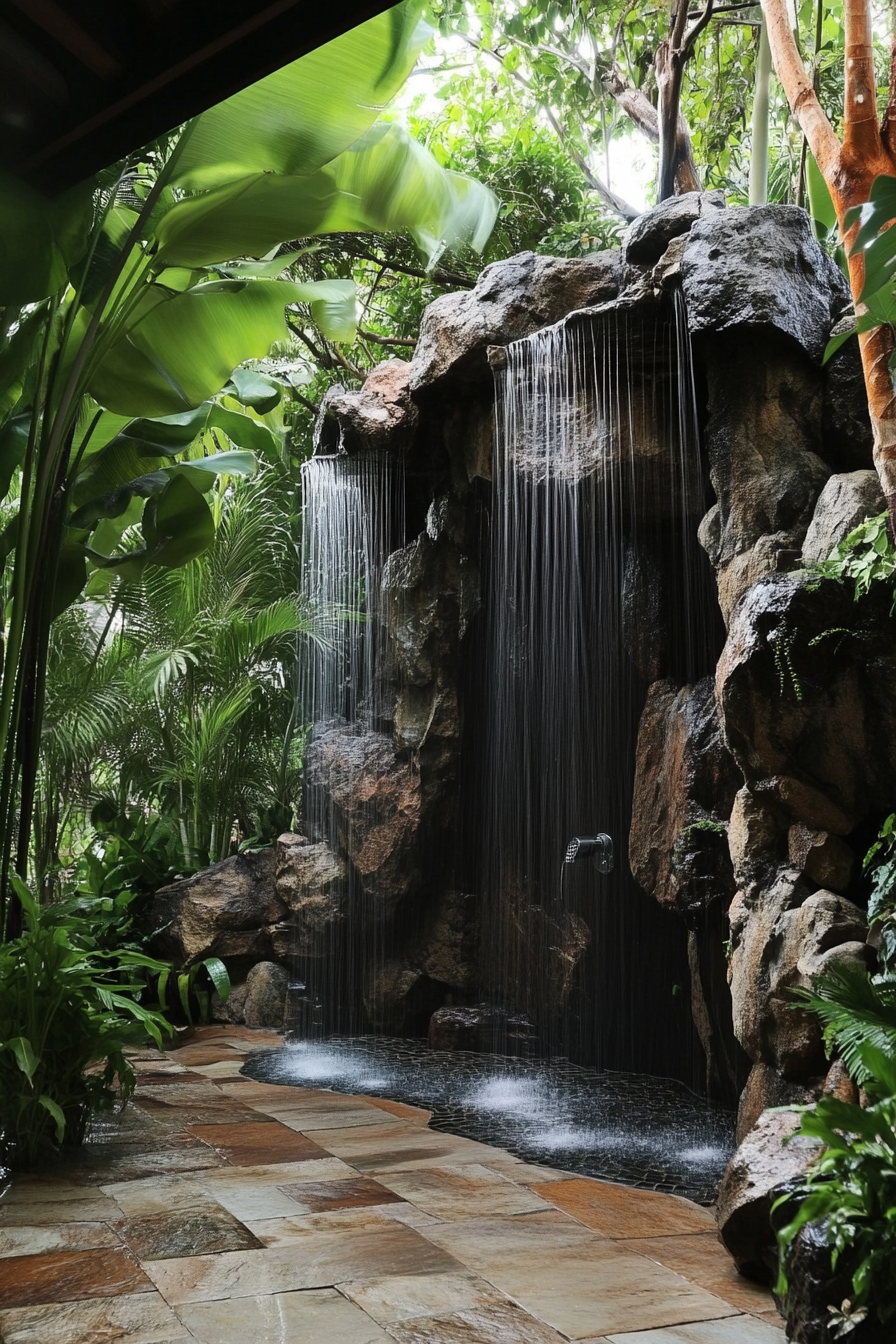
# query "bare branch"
(407, 341)
(687, 45)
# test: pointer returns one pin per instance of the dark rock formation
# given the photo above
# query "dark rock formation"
(762, 268)
(264, 1004)
(804, 689)
(762, 439)
(511, 299)
(685, 783)
(482, 1027)
(780, 942)
(844, 502)
(766, 1089)
(222, 911)
(756, 1175)
(648, 237)
(375, 797)
(814, 1287)
(380, 416)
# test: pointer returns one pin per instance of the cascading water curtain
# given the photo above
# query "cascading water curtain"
(597, 493)
(349, 516)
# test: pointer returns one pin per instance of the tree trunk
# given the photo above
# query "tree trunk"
(759, 146)
(849, 170)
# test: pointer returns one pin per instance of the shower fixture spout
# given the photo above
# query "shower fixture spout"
(598, 847)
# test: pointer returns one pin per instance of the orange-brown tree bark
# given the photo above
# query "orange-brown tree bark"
(867, 151)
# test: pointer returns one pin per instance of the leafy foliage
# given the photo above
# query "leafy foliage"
(850, 1191)
(857, 1012)
(866, 557)
(64, 1006)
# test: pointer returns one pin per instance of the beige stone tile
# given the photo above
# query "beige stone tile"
(167, 1194)
(399, 1296)
(399, 1148)
(321, 1260)
(141, 1319)
(251, 1194)
(526, 1173)
(481, 1241)
(313, 1316)
(415, 1114)
(703, 1259)
(90, 1208)
(451, 1192)
(623, 1212)
(55, 1237)
(286, 1231)
(586, 1291)
(734, 1330)
(225, 1068)
(43, 1189)
(496, 1324)
(304, 1119)
(409, 1214)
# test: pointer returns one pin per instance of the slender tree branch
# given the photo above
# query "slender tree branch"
(374, 336)
(799, 90)
(687, 45)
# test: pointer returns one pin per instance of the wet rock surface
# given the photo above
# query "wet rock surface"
(762, 267)
(375, 798)
(845, 501)
(685, 784)
(264, 1004)
(378, 417)
(754, 1178)
(803, 687)
(511, 299)
(815, 1287)
(766, 1088)
(483, 1028)
(221, 911)
(648, 237)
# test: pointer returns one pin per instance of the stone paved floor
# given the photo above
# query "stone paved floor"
(228, 1211)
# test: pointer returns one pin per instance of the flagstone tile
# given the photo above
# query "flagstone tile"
(144, 1318)
(451, 1192)
(620, 1211)
(204, 1053)
(410, 1215)
(66, 1276)
(166, 1077)
(312, 1316)
(250, 1143)
(37, 1240)
(164, 1194)
(414, 1114)
(525, 1173)
(483, 1241)
(324, 1196)
(305, 1119)
(401, 1296)
(493, 1324)
(397, 1149)
(92, 1207)
(734, 1330)
(165, 1236)
(703, 1259)
(588, 1290)
(272, 1232)
(321, 1260)
(166, 1160)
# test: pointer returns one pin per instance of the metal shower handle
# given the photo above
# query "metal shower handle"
(598, 847)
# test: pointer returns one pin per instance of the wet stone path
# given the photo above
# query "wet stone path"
(230, 1211)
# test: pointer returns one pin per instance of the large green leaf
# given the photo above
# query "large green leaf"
(386, 181)
(300, 117)
(875, 238)
(71, 576)
(13, 444)
(178, 525)
(32, 264)
(243, 431)
(186, 347)
(254, 390)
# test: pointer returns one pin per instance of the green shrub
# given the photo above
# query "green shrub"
(866, 557)
(65, 1007)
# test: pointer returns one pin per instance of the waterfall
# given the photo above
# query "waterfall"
(351, 514)
(594, 590)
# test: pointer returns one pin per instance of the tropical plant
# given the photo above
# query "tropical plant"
(865, 557)
(126, 308)
(194, 988)
(65, 1007)
(849, 1194)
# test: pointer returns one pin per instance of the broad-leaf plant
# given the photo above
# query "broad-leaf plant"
(127, 305)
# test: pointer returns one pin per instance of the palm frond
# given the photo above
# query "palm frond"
(858, 1014)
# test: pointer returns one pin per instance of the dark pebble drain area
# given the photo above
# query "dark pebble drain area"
(649, 1132)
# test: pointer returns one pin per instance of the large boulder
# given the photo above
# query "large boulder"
(768, 1159)
(374, 797)
(685, 784)
(264, 1004)
(804, 687)
(762, 439)
(761, 267)
(780, 942)
(378, 417)
(648, 236)
(767, 1089)
(511, 299)
(312, 881)
(845, 501)
(223, 911)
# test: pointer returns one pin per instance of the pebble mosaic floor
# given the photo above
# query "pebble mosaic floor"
(223, 1210)
(648, 1132)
